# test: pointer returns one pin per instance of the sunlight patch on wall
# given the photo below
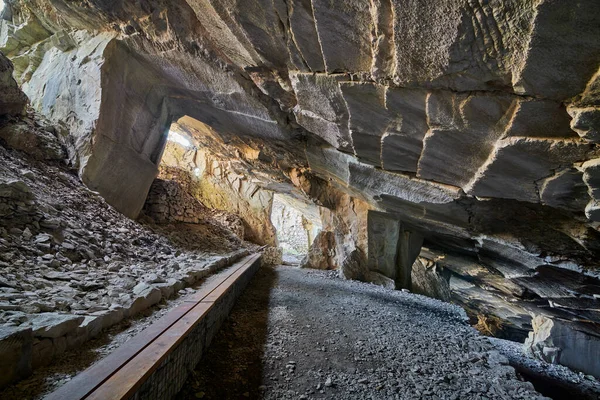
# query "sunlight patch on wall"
(177, 138)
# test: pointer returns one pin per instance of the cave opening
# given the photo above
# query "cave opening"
(296, 227)
(150, 150)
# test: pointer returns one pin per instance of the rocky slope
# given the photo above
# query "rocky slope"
(470, 127)
(70, 264)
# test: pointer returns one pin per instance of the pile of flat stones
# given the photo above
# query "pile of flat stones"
(169, 201)
(70, 265)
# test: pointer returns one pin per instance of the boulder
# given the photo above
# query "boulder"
(54, 325)
(576, 345)
(272, 256)
(321, 254)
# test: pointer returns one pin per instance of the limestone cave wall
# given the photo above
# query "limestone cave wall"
(472, 125)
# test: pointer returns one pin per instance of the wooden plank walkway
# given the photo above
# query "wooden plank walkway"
(122, 373)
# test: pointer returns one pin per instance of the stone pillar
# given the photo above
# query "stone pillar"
(392, 248)
(409, 247)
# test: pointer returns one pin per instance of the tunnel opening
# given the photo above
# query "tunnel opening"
(295, 226)
(207, 177)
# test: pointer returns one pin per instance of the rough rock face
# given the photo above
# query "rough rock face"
(322, 252)
(297, 224)
(71, 265)
(13, 100)
(557, 342)
(472, 125)
(168, 202)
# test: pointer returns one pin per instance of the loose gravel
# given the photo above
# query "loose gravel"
(304, 334)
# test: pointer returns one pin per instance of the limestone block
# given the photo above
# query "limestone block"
(387, 125)
(463, 131)
(426, 279)
(321, 107)
(304, 33)
(15, 190)
(260, 21)
(592, 210)
(375, 183)
(15, 352)
(329, 163)
(354, 266)
(565, 189)
(344, 28)
(54, 325)
(384, 240)
(37, 142)
(540, 118)
(368, 119)
(384, 62)
(493, 34)
(402, 140)
(570, 344)
(563, 50)
(321, 254)
(591, 177)
(146, 296)
(586, 122)
(517, 164)
(272, 256)
(220, 28)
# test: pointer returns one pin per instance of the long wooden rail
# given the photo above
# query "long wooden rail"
(155, 363)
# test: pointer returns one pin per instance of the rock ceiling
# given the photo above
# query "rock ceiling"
(474, 123)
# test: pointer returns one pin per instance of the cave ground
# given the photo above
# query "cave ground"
(306, 334)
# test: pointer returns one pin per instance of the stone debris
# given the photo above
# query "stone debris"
(170, 201)
(71, 266)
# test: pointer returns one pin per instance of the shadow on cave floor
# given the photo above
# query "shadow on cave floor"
(233, 366)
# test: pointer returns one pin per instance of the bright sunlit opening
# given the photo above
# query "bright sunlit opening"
(1, 5)
(177, 138)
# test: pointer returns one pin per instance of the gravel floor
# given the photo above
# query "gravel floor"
(302, 334)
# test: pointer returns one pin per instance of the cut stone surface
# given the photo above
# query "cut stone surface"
(54, 325)
(556, 341)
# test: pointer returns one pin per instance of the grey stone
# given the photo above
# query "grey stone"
(53, 325)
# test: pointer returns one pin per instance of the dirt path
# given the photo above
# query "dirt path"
(300, 334)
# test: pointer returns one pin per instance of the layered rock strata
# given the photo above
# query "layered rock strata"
(473, 125)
